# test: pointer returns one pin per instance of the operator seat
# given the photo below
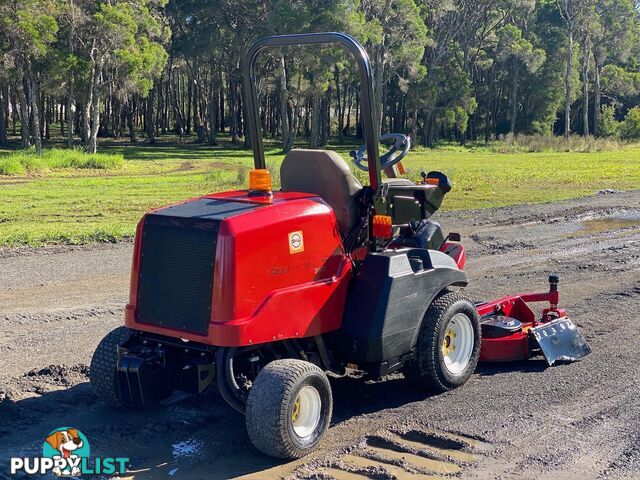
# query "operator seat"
(326, 174)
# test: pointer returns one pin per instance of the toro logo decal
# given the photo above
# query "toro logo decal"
(65, 452)
(296, 242)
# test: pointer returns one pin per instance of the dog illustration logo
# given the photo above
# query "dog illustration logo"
(67, 446)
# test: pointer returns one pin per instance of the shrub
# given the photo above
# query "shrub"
(608, 126)
(549, 143)
(630, 127)
(26, 161)
(11, 166)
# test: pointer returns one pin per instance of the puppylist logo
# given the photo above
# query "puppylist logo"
(65, 452)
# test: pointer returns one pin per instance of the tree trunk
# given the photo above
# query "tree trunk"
(244, 113)
(32, 98)
(316, 101)
(233, 108)
(4, 112)
(149, 121)
(568, 93)
(597, 97)
(339, 103)
(128, 112)
(287, 137)
(174, 93)
(514, 97)
(213, 107)
(72, 80)
(25, 122)
(86, 123)
(584, 71)
(95, 109)
(69, 117)
(377, 85)
(566, 12)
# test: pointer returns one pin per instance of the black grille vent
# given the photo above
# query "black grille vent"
(177, 260)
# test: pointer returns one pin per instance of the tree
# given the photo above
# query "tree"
(396, 37)
(612, 40)
(29, 27)
(122, 46)
(518, 52)
(569, 11)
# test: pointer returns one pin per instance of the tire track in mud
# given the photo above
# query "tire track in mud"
(414, 455)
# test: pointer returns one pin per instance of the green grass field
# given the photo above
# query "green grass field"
(59, 203)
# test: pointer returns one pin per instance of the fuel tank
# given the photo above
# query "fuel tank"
(231, 269)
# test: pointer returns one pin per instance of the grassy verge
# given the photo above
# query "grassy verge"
(27, 162)
(67, 205)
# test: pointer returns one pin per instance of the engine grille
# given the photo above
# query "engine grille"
(177, 261)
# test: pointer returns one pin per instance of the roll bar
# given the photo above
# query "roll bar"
(369, 120)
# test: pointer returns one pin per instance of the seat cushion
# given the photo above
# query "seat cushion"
(326, 174)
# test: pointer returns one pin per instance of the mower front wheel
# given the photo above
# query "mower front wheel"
(289, 408)
(104, 369)
(448, 344)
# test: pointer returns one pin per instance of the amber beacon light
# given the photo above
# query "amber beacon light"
(260, 181)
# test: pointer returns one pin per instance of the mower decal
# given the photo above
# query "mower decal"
(296, 242)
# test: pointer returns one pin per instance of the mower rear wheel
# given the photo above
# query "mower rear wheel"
(103, 370)
(289, 408)
(448, 345)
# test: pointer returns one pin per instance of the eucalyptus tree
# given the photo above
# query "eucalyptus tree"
(396, 39)
(518, 52)
(615, 32)
(570, 11)
(29, 28)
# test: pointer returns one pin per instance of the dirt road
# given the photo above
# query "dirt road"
(516, 421)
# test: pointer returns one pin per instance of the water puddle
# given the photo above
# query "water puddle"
(435, 445)
(344, 475)
(591, 226)
(398, 472)
(417, 461)
(478, 445)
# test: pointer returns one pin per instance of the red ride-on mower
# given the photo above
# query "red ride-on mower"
(261, 292)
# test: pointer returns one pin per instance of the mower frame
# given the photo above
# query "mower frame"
(369, 119)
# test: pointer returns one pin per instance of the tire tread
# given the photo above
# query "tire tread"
(424, 369)
(266, 417)
(102, 373)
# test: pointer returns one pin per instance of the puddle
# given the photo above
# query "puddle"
(478, 445)
(417, 461)
(433, 444)
(344, 475)
(606, 224)
(398, 472)
(188, 448)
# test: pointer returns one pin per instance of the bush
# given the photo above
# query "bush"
(608, 126)
(630, 127)
(549, 143)
(26, 161)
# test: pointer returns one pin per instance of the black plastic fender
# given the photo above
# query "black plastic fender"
(388, 299)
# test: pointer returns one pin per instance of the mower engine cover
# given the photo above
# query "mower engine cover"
(232, 269)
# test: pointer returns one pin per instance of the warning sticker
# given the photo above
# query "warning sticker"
(296, 242)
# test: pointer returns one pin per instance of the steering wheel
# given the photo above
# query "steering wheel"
(399, 149)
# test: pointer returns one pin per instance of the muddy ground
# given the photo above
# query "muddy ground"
(511, 421)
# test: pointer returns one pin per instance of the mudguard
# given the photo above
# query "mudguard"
(387, 301)
(560, 341)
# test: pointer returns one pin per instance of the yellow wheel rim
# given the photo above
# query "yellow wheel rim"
(296, 410)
